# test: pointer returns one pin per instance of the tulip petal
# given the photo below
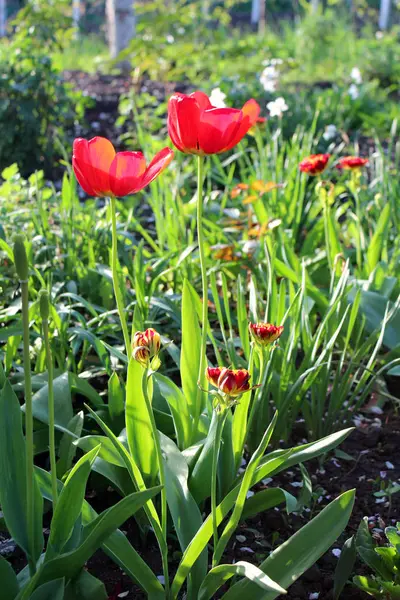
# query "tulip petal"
(157, 165)
(203, 101)
(217, 128)
(251, 110)
(126, 173)
(183, 122)
(101, 155)
(82, 166)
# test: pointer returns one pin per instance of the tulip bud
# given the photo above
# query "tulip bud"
(146, 344)
(265, 333)
(20, 257)
(44, 305)
(230, 382)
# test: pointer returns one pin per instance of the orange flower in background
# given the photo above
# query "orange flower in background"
(230, 382)
(261, 187)
(195, 126)
(314, 164)
(265, 333)
(351, 162)
(103, 172)
(146, 345)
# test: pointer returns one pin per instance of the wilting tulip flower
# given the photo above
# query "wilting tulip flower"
(351, 162)
(314, 164)
(230, 382)
(146, 345)
(197, 127)
(103, 172)
(265, 333)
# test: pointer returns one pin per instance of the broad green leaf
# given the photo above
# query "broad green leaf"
(200, 479)
(368, 585)
(67, 448)
(190, 353)
(116, 546)
(86, 587)
(292, 558)
(69, 504)
(184, 510)
(345, 566)
(272, 463)
(83, 387)
(94, 534)
(52, 590)
(219, 575)
(375, 246)
(13, 476)
(178, 407)
(393, 535)
(366, 551)
(116, 401)
(373, 306)
(266, 499)
(9, 582)
(244, 488)
(63, 412)
(107, 450)
(138, 424)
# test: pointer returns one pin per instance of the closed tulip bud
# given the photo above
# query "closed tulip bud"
(146, 345)
(314, 164)
(44, 304)
(351, 162)
(20, 257)
(265, 333)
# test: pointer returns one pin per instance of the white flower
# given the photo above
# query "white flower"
(353, 91)
(277, 107)
(379, 35)
(250, 246)
(217, 98)
(330, 132)
(269, 78)
(170, 39)
(356, 75)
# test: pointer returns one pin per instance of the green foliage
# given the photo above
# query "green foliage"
(383, 560)
(36, 106)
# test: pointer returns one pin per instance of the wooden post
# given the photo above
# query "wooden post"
(3, 17)
(120, 24)
(76, 15)
(255, 12)
(384, 14)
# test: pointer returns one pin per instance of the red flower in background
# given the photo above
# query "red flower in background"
(314, 164)
(265, 333)
(103, 172)
(195, 126)
(351, 162)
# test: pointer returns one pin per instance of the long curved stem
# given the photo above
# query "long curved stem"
(117, 291)
(28, 428)
(221, 416)
(204, 286)
(160, 459)
(52, 443)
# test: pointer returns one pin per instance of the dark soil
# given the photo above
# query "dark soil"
(372, 454)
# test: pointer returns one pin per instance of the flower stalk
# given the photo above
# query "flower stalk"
(44, 313)
(221, 415)
(116, 284)
(21, 265)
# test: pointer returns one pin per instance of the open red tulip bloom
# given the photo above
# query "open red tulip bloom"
(103, 172)
(195, 126)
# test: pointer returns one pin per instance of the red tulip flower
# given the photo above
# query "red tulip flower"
(314, 164)
(265, 333)
(197, 127)
(230, 382)
(103, 172)
(146, 344)
(351, 162)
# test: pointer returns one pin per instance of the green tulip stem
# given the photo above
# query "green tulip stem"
(28, 427)
(117, 290)
(160, 459)
(204, 285)
(221, 417)
(52, 443)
